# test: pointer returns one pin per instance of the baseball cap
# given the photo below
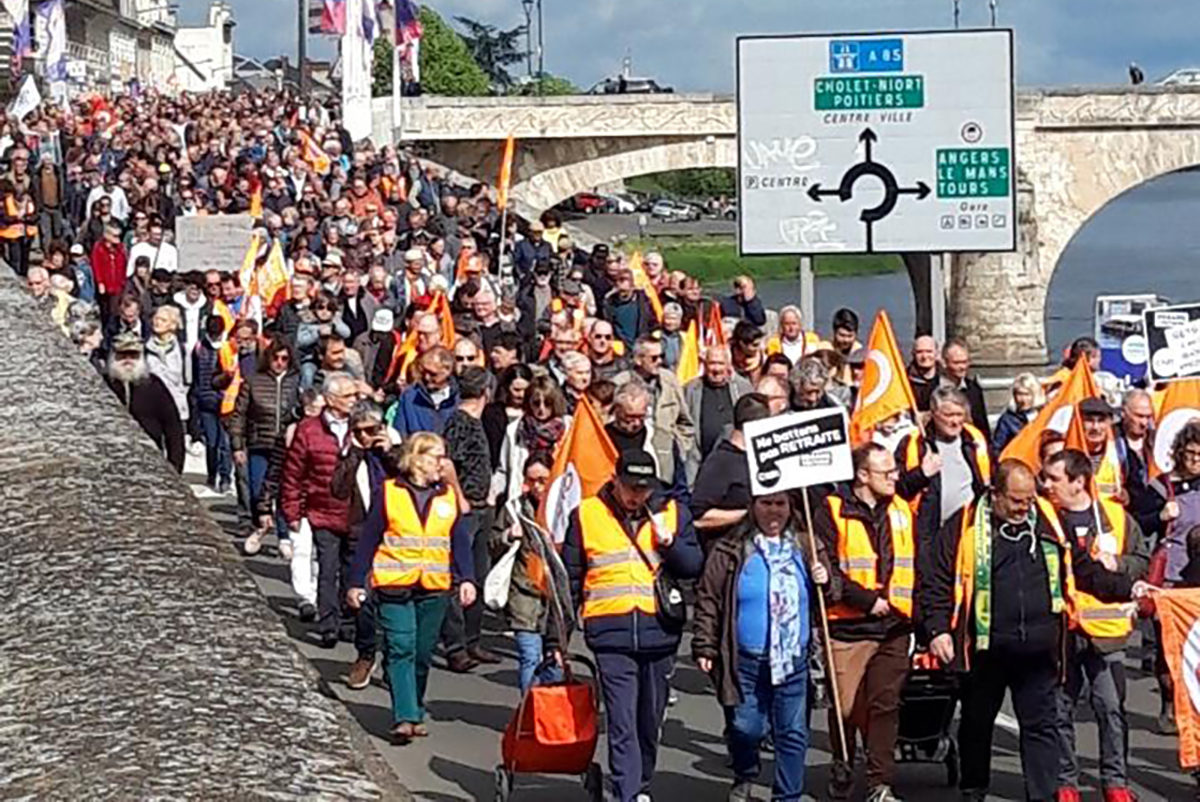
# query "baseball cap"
(383, 320)
(1095, 406)
(637, 470)
(128, 343)
(77, 249)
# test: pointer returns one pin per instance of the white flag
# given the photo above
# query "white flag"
(27, 99)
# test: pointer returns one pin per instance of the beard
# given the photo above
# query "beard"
(128, 372)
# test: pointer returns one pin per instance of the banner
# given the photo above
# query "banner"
(1178, 612)
(797, 450)
(357, 59)
(506, 163)
(583, 462)
(216, 242)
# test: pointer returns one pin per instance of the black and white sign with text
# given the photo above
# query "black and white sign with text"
(797, 450)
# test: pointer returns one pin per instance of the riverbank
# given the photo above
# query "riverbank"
(718, 262)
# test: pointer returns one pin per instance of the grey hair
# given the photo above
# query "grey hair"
(335, 380)
(948, 395)
(365, 412)
(810, 372)
(575, 359)
(631, 392)
(672, 308)
(82, 329)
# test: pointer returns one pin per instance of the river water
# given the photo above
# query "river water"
(1147, 240)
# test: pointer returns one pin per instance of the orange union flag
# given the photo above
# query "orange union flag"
(1179, 403)
(583, 462)
(505, 182)
(1055, 416)
(1178, 612)
(885, 389)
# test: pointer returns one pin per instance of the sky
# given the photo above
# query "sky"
(689, 44)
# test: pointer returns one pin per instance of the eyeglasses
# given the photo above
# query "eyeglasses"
(1191, 453)
(894, 473)
(599, 336)
(372, 430)
(460, 358)
(211, 284)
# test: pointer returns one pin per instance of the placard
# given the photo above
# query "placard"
(1172, 342)
(215, 242)
(800, 449)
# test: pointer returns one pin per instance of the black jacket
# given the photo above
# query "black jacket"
(922, 387)
(151, 405)
(266, 405)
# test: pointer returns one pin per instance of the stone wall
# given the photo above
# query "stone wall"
(138, 658)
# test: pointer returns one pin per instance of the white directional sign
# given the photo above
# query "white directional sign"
(876, 143)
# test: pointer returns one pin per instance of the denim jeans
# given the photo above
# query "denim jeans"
(530, 652)
(219, 459)
(258, 463)
(1104, 676)
(778, 709)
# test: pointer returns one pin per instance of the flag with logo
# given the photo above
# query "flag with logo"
(506, 163)
(313, 155)
(885, 389)
(689, 354)
(1178, 613)
(272, 277)
(1056, 416)
(1177, 405)
(584, 460)
(714, 330)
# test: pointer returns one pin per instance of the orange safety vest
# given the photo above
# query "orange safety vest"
(1108, 473)
(227, 358)
(1095, 618)
(983, 462)
(415, 553)
(17, 229)
(618, 581)
(857, 558)
(812, 341)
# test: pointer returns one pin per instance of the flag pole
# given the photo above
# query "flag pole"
(397, 90)
(829, 670)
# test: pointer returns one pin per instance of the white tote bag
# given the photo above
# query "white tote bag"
(499, 579)
(304, 564)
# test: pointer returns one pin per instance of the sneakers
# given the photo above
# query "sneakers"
(672, 697)
(359, 675)
(741, 791)
(1119, 795)
(1066, 794)
(286, 551)
(882, 793)
(253, 543)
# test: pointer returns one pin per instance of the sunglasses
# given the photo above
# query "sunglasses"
(462, 358)
(367, 430)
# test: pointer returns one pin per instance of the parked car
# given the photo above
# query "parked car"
(619, 204)
(588, 203)
(623, 85)
(670, 211)
(730, 212)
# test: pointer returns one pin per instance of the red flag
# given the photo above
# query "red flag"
(714, 332)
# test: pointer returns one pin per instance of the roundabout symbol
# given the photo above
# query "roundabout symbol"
(869, 167)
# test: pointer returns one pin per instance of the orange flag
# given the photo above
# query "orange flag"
(272, 276)
(689, 354)
(441, 307)
(643, 283)
(1179, 403)
(1055, 416)
(714, 332)
(583, 462)
(1178, 612)
(506, 163)
(885, 389)
(313, 155)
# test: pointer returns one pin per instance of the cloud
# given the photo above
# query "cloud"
(689, 44)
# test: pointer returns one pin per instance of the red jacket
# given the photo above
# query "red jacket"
(108, 266)
(305, 491)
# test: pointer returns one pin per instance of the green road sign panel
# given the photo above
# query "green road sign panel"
(974, 172)
(860, 92)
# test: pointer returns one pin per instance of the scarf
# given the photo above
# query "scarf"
(787, 593)
(536, 435)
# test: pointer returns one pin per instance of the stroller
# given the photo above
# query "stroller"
(556, 726)
(927, 706)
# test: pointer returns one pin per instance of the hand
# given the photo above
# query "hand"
(355, 598)
(449, 474)
(557, 655)
(820, 575)
(1142, 589)
(101, 289)
(943, 648)
(1108, 561)
(748, 290)
(931, 465)
(466, 594)
(662, 535)
(705, 664)
(1170, 512)
(239, 457)
(881, 608)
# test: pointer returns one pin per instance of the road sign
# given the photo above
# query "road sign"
(868, 143)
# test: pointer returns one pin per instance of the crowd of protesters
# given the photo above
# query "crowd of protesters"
(387, 417)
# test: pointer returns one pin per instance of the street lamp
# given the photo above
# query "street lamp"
(528, 4)
(992, 4)
(957, 13)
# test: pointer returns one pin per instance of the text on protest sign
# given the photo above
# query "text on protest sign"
(798, 450)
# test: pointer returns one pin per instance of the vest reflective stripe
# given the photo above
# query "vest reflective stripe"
(618, 581)
(1095, 618)
(16, 229)
(1108, 473)
(227, 358)
(413, 554)
(983, 463)
(857, 558)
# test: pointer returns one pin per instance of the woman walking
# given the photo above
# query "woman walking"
(754, 613)
(415, 549)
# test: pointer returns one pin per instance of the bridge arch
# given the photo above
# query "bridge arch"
(549, 187)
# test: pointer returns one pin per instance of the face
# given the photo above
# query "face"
(778, 370)
(39, 284)
(429, 334)
(1058, 486)
(1138, 416)
(717, 369)
(280, 361)
(957, 362)
(1095, 432)
(809, 395)
(537, 477)
(650, 359)
(130, 313)
(1014, 502)
(365, 432)
(436, 375)
(1023, 398)
(880, 474)
(162, 324)
(230, 291)
(212, 285)
(339, 403)
(335, 356)
(601, 339)
(772, 513)
(630, 418)
(691, 292)
(790, 324)
(580, 376)
(565, 342)
(777, 396)
(624, 283)
(485, 306)
(925, 353)
(948, 420)
(516, 392)
(654, 266)
(466, 354)
(351, 282)
(630, 498)
(844, 339)
(427, 466)
(1189, 462)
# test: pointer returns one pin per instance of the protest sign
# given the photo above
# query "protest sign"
(1172, 342)
(800, 449)
(212, 242)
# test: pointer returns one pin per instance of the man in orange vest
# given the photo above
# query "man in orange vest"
(1102, 448)
(617, 546)
(868, 531)
(1103, 531)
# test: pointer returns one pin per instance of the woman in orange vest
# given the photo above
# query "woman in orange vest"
(414, 551)
(19, 226)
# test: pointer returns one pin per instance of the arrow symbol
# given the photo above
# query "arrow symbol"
(921, 190)
(816, 193)
(868, 138)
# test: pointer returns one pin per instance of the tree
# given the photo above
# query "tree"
(494, 49)
(549, 85)
(447, 66)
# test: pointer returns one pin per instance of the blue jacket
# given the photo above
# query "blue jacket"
(416, 412)
(527, 253)
(205, 365)
(635, 632)
(751, 311)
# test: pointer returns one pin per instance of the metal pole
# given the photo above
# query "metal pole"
(808, 295)
(529, 37)
(937, 296)
(992, 4)
(957, 13)
(541, 47)
(302, 46)
(397, 92)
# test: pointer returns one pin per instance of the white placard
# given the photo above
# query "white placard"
(876, 143)
(1172, 342)
(799, 449)
(1184, 342)
(213, 242)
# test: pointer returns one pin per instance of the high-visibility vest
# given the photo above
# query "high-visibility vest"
(812, 342)
(965, 567)
(415, 553)
(227, 358)
(1108, 472)
(17, 228)
(983, 463)
(618, 581)
(1094, 617)
(857, 558)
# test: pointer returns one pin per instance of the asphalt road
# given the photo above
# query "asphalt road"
(616, 227)
(469, 713)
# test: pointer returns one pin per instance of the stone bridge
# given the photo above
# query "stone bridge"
(1077, 149)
